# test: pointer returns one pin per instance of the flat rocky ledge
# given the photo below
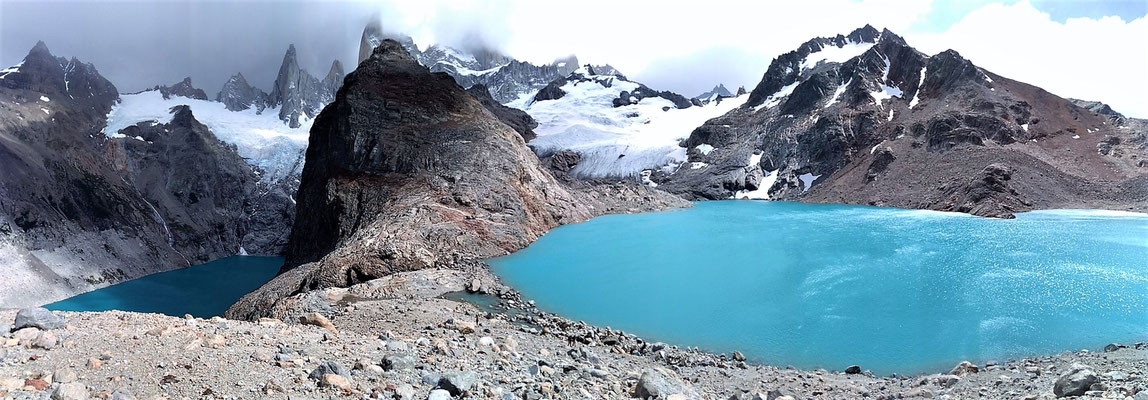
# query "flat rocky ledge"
(432, 348)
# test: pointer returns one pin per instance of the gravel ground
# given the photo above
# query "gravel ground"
(412, 347)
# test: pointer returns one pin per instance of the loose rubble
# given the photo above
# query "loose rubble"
(412, 348)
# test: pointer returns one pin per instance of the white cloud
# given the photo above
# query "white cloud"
(1095, 59)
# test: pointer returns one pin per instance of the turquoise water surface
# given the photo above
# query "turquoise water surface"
(204, 290)
(828, 286)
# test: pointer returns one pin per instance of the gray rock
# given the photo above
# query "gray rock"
(661, 383)
(1142, 395)
(38, 318)
(458, 382)
(122, 396)
(439, 394)
(853, 369)
(405, 392)
(1119, 376)
(1076, 382)
(5, 329)
(1113, 347)
(964, 368)
(70, 391)
(329, 367)
(64, 375)
(397, 361)
(431, 378)
(948, 380)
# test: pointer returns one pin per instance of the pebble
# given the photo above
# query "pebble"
(95, 363)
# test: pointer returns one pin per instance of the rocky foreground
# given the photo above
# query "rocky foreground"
(393, 338)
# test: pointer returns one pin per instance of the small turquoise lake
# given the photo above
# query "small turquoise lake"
(828, 286)
(203, 291)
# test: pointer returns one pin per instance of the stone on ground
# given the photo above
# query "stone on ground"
(1076, 382)
(458, 382)
(662, 383)
(38, 318)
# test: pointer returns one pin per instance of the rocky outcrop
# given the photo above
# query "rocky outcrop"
(183, 89)
(407, 171)
(892, 126)
(517, 119)
(238, 95)
(299, 95)
(717, 92)
(69, 222)
(197, 184)
(507, 79)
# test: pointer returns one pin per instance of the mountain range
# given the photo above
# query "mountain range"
(473, 154)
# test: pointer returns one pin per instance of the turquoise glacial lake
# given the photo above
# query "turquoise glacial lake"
(828, 286)
(203, 291)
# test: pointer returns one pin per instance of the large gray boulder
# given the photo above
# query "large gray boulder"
(661, 383)
(1074, 383)
(38, 317)
(458, 382)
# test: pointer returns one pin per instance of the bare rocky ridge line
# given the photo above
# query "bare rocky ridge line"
(893, 127)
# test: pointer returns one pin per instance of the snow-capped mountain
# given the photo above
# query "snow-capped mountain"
(865, 118)
(714, 94)
(616, 127)
(507, 79)
(238, 95)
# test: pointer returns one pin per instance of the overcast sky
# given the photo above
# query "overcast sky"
(1074, 48)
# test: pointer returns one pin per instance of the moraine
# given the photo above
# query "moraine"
(827, 286)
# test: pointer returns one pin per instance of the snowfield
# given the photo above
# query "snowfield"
(834, 54)
(617, 141)
(263, 139)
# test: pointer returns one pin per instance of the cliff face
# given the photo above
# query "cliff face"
(68, 221)
(197, 183)
(867, 119)
(405, 171)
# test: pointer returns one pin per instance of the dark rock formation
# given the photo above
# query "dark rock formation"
(522, 122)
(198, 184)
(299, 95)
(717, 92)
(507, 79)
(894, 127)
(406, 171)
(552, 90)
(182, 89)
(68, 222)
(238, 95)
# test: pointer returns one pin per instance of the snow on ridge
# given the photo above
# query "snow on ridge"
(704, 148)
(917, 93)
(263, 139)
(775, 98)
(15, 68)
(807, 181)
(885, 91)
(831, 53)
(837, 93)
(616, 141)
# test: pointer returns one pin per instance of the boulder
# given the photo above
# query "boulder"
(70, 391)
(329, 367)
(1074, 383)
(439, 394)
(319, 320)
(853, 370)
(38, 318)
(397, 361)
(337, 381)
(964, 368)
(662, 383)
(458, 382)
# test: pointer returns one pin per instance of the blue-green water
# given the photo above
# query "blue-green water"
(828, 286)
(204, 290)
